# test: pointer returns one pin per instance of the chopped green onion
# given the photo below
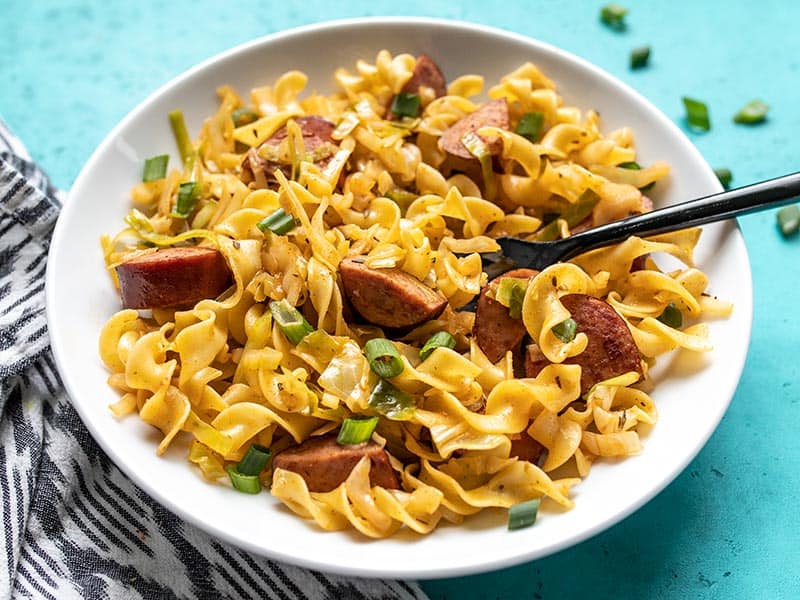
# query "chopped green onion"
(613, 15)
(634, 166)
(573, 214)
(441, 339)
(523, 514)
(293, 325)
(530, 126)
(403, 198)
(566, 330)
(511, 294)
(243, 116)
(391, 402)
(383, 357)
(255, 460)
(405, 105)
(356, 431)
(279, 222)
(155, 168)
(640, 57)
(752, 113)
(188, 192)
(725, 176)
(671, 317)
(697, 114)
(249, 484)
(182, 139)
(478, 148)
(789, 219)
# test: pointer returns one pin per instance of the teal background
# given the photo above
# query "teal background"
(729, 526)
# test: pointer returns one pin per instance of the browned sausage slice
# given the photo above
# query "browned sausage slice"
(610, 351)
(426, 73)
(494, 114)
(389, 297)
(173, 277)
(495, 330)
(316, 133)
(527, 448)
(324, 464)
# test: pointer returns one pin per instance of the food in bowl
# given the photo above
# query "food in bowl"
(294, 296)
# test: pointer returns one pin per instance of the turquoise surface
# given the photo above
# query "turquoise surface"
(728, 527)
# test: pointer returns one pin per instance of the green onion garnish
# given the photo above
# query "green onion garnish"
(356, 431)
(188, 192)
(789, 219)
(279, 222)
(613, 15)
(573, 214)
(405, 105)
(523, 514)
(178, 125)
(752, 113)
(511, 293)
(249, 484)
(243, 116)
(671, 317)
(293, 325)
(565, 331)
(478, 148)
(697, 114)
(155, 168)
(391, 402)
(383, 357)
(634, 166)
(725, 176)
(255, 460)
(640, 57)
(530, 126)
(441, 339)
(403, 198)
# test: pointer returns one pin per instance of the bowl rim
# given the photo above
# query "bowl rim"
(59, 345)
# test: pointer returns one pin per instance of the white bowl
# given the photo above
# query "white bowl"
(691, 398)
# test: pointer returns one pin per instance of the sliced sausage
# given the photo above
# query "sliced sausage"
(426, 73)
(495, 330)
(610, 351)
(389, 297)
(494, 114)
(316, 133)
(173, 277)
(324, 463)
(527, 448)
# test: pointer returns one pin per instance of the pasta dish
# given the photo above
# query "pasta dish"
(306, 303)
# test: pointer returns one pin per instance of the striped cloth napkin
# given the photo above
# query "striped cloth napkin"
(74, 526)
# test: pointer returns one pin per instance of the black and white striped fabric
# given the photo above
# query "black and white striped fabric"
(73, 526)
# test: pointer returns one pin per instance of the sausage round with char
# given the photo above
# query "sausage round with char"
(324, 464)
(173, 277)
(610, 351)
(527, 448)
(389, 298)
(316, 134)
(495, 330)
(428, 74)
(494, 114)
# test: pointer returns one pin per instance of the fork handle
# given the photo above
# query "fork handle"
(717, 207)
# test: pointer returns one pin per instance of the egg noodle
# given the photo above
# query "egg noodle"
(224, 373)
